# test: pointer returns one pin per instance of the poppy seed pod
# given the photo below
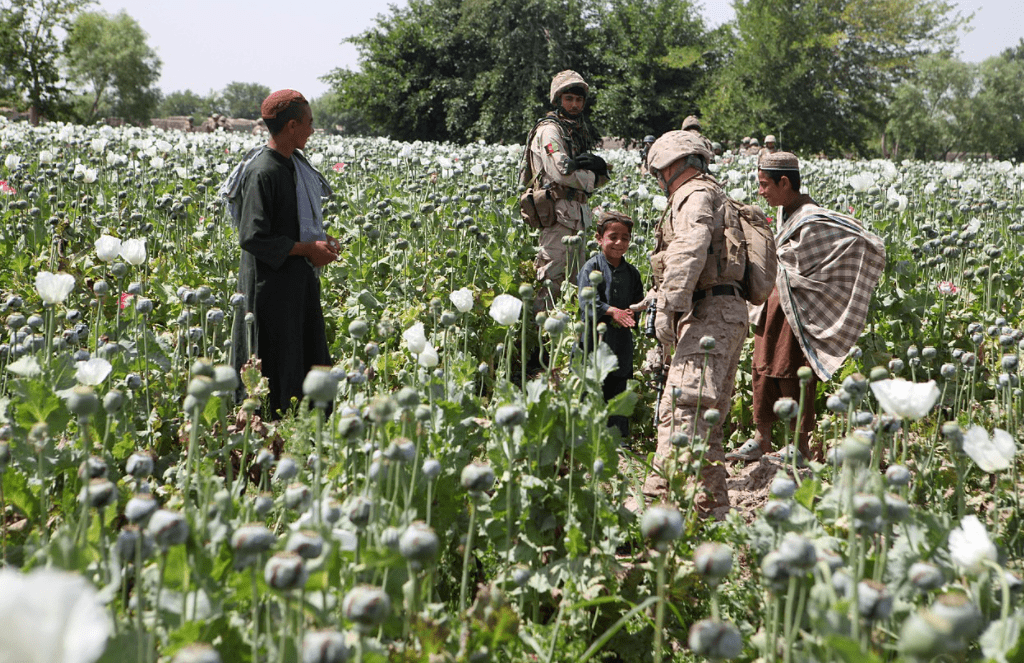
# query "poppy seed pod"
(510, 415)
(707, 343)
(324, 647)
(785, 408)
(431, 469)
(874, 602)
(296, 496)
(712, 560)
(925, 576)
(320, 386)
(418, 544)
(139, 465)
(201, 388)
(225, 379)
(99, 493)
(366, 606)
(596, 277)
(140, 507)
(956, 608)
(83, 401)
(262, 504)
(285, 571)
(897, 475)
(306, 543)
(925, 636)
(797, 553)
(252, 539)
(777, 511)
(287, 469)
(168, 528)
(662, 524)
(715, 640)
(359, 512)
(782, 487)
(477, 477)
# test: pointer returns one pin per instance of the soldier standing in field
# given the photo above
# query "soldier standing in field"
(701, 318)
(770, 147)
(559, 159)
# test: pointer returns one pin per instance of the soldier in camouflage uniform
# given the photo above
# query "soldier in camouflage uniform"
(754, 149)
(770, 147)
(701, 318)
(559, 159)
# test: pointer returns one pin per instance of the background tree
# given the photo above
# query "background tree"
(998, 106)
(652, 59)
(186, 102)
(819, 74)
(31, 49)
(930, 111)
(461, 71)
(241, 100)
(109, 55)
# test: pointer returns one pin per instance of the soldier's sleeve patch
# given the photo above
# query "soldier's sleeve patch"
(551, 148)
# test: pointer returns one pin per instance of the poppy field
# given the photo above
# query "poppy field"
(431, 501)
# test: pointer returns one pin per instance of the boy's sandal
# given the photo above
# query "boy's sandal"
(749, 451)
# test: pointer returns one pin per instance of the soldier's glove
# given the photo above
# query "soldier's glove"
(654, 363)
(665, 328)
(593, 163)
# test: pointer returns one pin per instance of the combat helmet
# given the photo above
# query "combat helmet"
(691, 122)
(676, 145)
(564, 80)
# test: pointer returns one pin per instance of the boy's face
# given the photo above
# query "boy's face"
(614, 242)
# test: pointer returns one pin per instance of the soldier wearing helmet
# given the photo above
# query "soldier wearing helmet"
(701, 318)
(770, 147)
(754, 149)
(558, 158)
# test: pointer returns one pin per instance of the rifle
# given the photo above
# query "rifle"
(659, 377)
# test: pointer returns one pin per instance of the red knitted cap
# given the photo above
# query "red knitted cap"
(278, 101)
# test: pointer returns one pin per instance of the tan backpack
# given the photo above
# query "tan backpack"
(750, 251)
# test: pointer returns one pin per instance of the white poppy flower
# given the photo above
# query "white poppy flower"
(738, 194)
(905, 399)
(970, 547)
(505, 309)
(157, 162)
(861, 182)
(134, 251)
(108, 248)
(316, 159)
(660, 202)
(991, 455)
(477, 170)
(180, 172)
(952, 171)
(428, 358)
(415, 338)
(221, 168)
(462, 299)
(93, 372)
(51, 616)
(98, 144)
(54, 288)
(46, 156)
(12, 161)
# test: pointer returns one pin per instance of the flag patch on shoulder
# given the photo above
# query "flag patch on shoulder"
(551, 148)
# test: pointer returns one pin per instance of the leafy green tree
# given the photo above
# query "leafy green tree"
(819, 74)
(460, 71)
(110, 57)
(31, 49)
(185, 102)
(652, 59)
(998, 106)
(331, 115)
(930, 111)
(242, 100)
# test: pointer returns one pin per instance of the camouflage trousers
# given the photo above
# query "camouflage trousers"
(555, 262)
(702, 380)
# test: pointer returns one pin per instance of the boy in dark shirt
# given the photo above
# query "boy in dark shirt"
(620, 288)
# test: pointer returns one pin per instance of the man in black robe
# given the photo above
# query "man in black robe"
(283, 248)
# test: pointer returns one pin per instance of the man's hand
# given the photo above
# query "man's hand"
(320, 253)
(593, 163)
(624, 318)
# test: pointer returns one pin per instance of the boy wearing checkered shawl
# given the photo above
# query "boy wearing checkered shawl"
(828, 267)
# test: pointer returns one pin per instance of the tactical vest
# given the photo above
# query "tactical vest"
(719, 266)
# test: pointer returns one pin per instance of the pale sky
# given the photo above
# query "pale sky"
(206, 44)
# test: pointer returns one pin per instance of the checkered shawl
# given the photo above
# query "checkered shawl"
(828, 268)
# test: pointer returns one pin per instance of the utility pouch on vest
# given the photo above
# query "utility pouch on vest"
(537, 208)
(758, 278)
